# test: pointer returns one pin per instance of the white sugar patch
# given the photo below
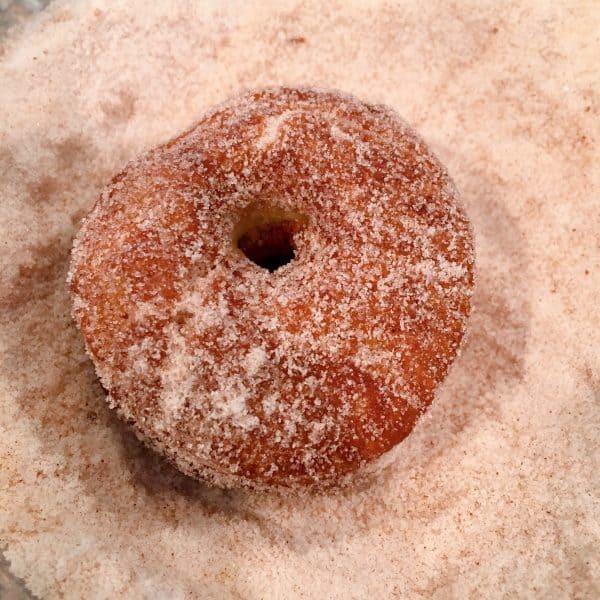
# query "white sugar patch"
(272, 129)
(255, 359)
(230, 404)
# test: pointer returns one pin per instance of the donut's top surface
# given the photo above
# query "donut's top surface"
(273, 296)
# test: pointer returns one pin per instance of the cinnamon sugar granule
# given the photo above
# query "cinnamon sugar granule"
(496, 492)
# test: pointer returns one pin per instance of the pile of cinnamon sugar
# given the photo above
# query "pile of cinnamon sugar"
(496, 492)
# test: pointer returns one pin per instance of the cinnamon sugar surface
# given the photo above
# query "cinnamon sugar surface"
(303, 376)
(496, 492)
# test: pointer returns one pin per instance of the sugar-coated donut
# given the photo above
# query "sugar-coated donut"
(272, 297)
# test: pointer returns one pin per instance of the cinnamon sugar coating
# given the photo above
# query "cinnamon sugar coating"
(298, 375)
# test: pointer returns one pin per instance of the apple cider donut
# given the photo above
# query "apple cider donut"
(271, 298)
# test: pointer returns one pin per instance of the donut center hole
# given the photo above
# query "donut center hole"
(269, 245)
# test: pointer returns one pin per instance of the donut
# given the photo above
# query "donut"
(272, 298)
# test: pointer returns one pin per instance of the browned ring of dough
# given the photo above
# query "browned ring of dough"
(304, 374)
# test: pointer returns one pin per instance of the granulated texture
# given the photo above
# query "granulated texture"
(496, 492)
(303, 376)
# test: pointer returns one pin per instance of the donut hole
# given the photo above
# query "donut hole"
(269, 245)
